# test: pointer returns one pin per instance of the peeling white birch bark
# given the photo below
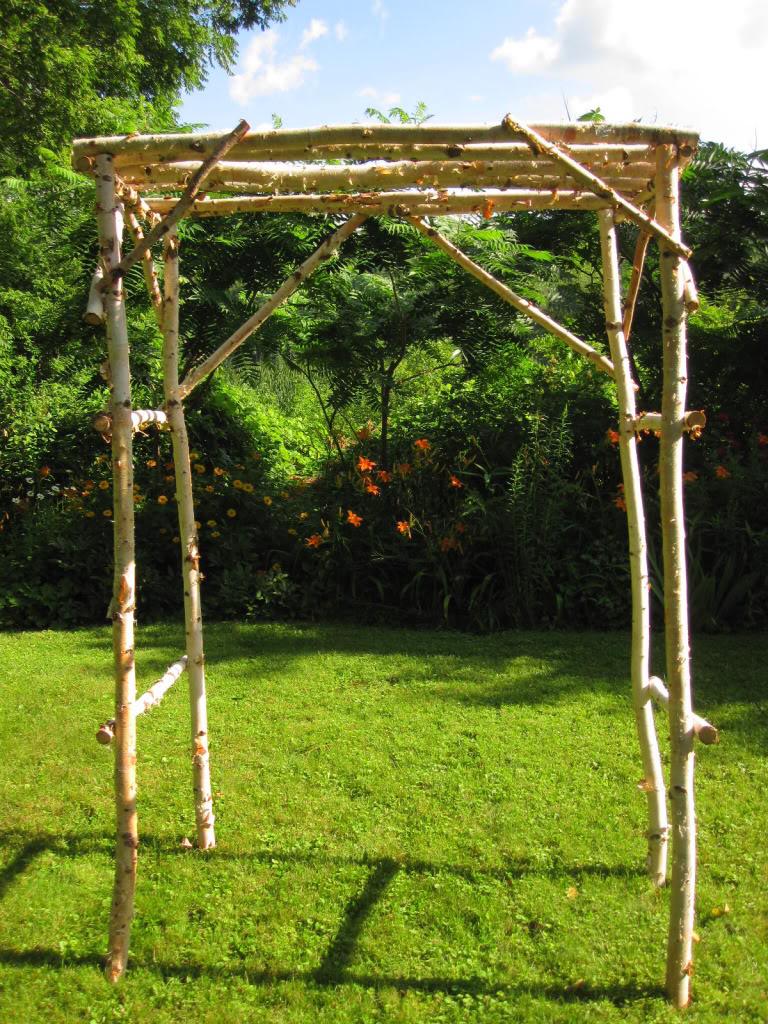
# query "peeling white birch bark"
(123, 594)
(94, 310)
(286, 177)
(703, 729)
(521, 304)
(190, 554)
(683, 880)
(140, 418)
(653, 776)
(597, 185)
(393, 204)
(148, 700)
(286, 289)
(182, 204)
(159, 148)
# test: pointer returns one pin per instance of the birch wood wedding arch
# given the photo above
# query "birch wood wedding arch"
(412, 172)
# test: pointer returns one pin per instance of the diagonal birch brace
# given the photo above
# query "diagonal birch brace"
(148, 267)
(175, 215)
(286, 289)
(638, 263)
(521, 304)
(147, 700)
(540, 145)
(653, 776)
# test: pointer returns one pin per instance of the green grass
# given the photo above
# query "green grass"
(411, 827)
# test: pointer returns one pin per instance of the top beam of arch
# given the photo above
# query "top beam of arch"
(383, 141)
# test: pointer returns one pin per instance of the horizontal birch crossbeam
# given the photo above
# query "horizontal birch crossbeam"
(286, 289)
(694, 421)
(533, 312)
(706, 732)
(394, 204)
(140, 418)
(155, 148)
(148, 700)
(285, 177)
(542, 146)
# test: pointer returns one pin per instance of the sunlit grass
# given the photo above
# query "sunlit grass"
(411, 827)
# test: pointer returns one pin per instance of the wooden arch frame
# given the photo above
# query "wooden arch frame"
(620, 171)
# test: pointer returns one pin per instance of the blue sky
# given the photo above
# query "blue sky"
(665, 61)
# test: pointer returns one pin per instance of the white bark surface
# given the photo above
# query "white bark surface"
(703, 729)
(94, 310)
(653, 776)
(600, 187)
(393, 204)
(123, 595)
(148, 700)
(190, 553)
(683, 880)
(158, 148)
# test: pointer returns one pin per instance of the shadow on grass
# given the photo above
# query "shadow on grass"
(619, 995)
(334, 968)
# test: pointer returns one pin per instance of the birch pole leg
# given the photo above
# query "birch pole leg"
(653, 778)
(193, 620)
(683, 880)
(109, 215)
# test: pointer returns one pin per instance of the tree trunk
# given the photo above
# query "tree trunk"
(109, 216)
(193, 619)
(683, 881)
(653, 777)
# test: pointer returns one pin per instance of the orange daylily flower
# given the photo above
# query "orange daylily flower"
(722, 473)
(314, 541)
(620, 504)
(371, 488)
(404, 527)
(151, 463)
(353, 518)
(762, 440)
(45, 471)
(218, 471)
(690, 477)
(422, 444)
(162, 499)
(384, 476)
(365, 465)
(403, 468)
(455, 482)
(613, 436)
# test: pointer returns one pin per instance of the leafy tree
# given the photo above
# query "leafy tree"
(75, 68)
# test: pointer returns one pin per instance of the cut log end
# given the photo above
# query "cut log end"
(106, 733)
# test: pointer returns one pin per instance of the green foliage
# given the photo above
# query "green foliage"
(71, 69)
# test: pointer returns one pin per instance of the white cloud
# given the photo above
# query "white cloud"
(531, 53)
(706, 69)
(316, 30)
(380, 97)
(341, 31)
(263, 75)
(379, 10)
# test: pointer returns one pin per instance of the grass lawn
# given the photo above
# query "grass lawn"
(411, 827)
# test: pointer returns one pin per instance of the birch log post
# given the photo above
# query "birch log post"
(123, 594)
(286, 289)
(653, 776)
(535, 314)
(675, 372)
(193, 618)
